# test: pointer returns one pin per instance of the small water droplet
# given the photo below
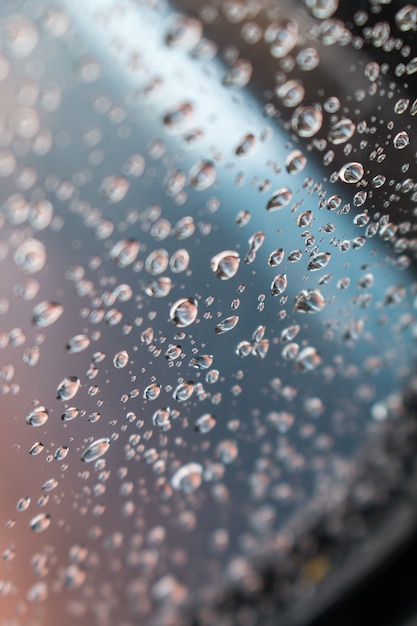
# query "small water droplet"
(401, 140)
(318, 261)
(307, 120)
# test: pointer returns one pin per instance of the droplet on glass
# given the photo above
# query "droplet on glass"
(68, 388)
(183, 312)
(95, 450)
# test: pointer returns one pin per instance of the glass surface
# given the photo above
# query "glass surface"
(207, 292)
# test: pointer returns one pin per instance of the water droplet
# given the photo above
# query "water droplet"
(291, 93)
(20, 36)
(322, 9)
(188, 478)
(183, 391)
(40, 214)
(227, 451)
(282, 37)
(173, 352)
(30, 256)
(69, 414)
(50, 484)
(68, 388)
(95, 450)
(179, 261)
(226, 325)
(406, 17)
(280, 199)
(124, 252)
(318, 261)
(120, 359)
(279, 284)
(46, 313)
(246, 145)
(341, 131)
(401, 140)
(202, 175)
(151, 392)
(238, 74)
(307, 120)
(202, 362)
(175, 120)
(184, 32)
(40, 522)
(351, 172)
(276, 257)
(295, 162)
(61, 453)
(309, 301)
(23, 504)
(38, 417)
(37, 448)
(78, 343)
(161, 418)
(307, 360)
(205, 423)
(159, 288)
(157, 261)
(183, 312)
(243, 349)
(114, 188)
(225, 264)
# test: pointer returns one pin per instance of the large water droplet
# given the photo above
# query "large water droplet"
(279, 284)
(225, 264)
(30, 256)
(114, 188)
(341, 131)
(40, 522)
(78, 343)
(291, 93)
(46, 313)
(188, 478)
(280, 199)
(282, 37)
(318, 261)
(202, 175)
(183, 312)
(38, 416)
(183, 391)
(401, 140)
(202, 362)
(226, 325)
(307, 120)
(95, 450)
(308, 359)
(120, 359)
(309, 301)
(351, 172)
(124, 252)
(68, 388)
(205, 423)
